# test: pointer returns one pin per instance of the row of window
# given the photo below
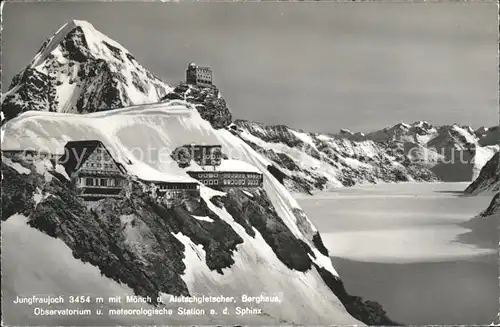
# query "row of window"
(99, 157)
(234, 182)
(91, 181)
(29, 155)
(100, 152)
(254, 176)
(178, 194)
(174, 193)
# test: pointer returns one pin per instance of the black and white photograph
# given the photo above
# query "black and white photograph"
(269, 163)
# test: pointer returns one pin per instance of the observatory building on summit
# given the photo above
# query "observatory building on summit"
(198, 75)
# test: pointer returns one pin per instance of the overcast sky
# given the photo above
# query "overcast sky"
(315, 66)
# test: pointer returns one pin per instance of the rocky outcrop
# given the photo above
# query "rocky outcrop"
(494, 206)
(133, 240)
(80, 70)
(488, 136)
(207, 100)
(488, 179)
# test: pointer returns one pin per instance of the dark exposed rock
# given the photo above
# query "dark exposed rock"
(260, 214)
(138, 83)
(182, 156)
(173, 96)
(99, 78)
(382, 161)
(36, 92)
(287, 162)
(114, 50)
(131, 240)
(369, 312)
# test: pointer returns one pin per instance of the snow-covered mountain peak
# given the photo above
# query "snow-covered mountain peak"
(81, 70)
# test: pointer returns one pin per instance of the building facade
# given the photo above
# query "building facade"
(93, 171)
(198, 75)
(227, 179)
(203, 155)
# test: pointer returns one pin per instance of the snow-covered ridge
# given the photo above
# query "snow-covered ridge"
(161, 126)
(81, 70)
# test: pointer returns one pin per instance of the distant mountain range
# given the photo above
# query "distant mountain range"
(81, 71)
(404, 152)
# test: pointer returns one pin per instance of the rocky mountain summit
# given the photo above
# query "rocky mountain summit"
(81, 70)
(148, 247)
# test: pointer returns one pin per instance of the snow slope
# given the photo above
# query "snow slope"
(140, 138)
(418, 132)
